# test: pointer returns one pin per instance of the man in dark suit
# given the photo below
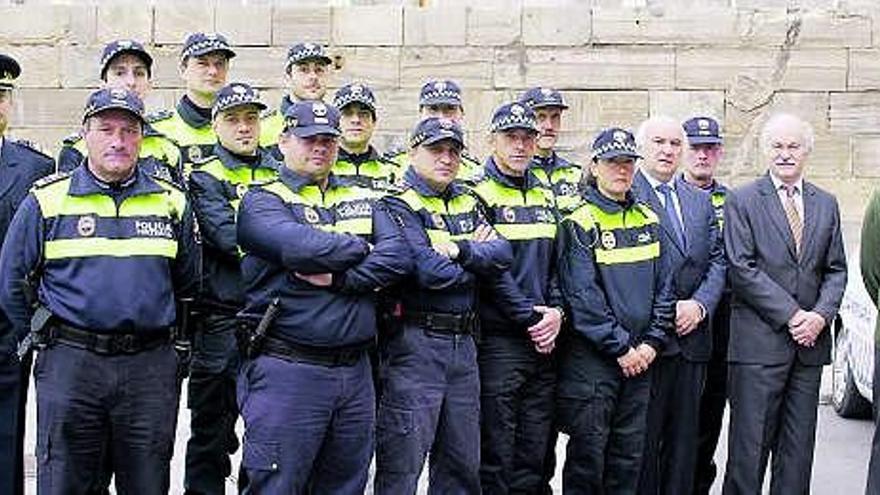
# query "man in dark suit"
(20, 166)
(788, 273)
(691, 242)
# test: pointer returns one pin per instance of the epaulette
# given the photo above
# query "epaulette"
(51, 179)
(31, 146)
(262, 183)
(72, 139)
(393, 153)
(159, 115)
(202, 160)
(265, 114)
(467, 156)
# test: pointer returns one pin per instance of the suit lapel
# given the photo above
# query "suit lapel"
(773, 208)
(685, 200)
(810, 216)
(647, 194)
(7, 175)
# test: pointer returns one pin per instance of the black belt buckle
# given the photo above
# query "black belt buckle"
(124, 344)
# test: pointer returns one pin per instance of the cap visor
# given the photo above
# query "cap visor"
(513, 126)
(437, 139)
(260, 106)
(704, 140)
(549, 105)
(315, 130)
(226, 51)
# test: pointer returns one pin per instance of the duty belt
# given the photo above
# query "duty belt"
(108, 344)
(324, 356)
(454, 323)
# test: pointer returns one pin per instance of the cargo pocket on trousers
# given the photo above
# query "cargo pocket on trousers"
(397, 441)
(260, 456)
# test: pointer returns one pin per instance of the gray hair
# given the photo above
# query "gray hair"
(806, 130)
(642, 132)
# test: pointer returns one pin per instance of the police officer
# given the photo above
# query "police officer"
(204, 65)
(560, 174)
(441, 98)
(359, 162)
(20, 166)
(616, 285)
(107, 248)
(704, 153)
(307, 72)
(217, 185)
(317, 251)
(126, 64)
(520, 313)
(430, 390)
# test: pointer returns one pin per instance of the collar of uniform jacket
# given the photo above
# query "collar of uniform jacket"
(593, 195)
(357, 158)
(296, 181)
(229, 161)
(191, 115)
(83, 183)
(415, 181)
(550, 164)
(492, 171)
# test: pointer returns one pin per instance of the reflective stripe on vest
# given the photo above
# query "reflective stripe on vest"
(239, 178)
(341, 209)
(444, 221)
(519, 215)
(628, 236)
(194, 143)
(270, 128)
(86, 226)
(718, 199)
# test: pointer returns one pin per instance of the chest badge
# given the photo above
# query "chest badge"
(194, 153)
(608, 240)
(86, 226)
(310, 214)
(240, 189)
(438, 221)
(509, 214)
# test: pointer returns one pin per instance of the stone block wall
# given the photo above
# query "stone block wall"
(617, 61)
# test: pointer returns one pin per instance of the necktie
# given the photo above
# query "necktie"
(672, 213)
(794, 218)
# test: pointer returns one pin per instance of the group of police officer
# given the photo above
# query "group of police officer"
(348, 304)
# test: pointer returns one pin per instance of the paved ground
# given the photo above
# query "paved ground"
(840, 466)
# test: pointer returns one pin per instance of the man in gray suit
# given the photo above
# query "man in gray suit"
(788, 271)
(691, 242)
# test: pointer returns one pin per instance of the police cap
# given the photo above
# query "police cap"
(435, 129)
(513, 116)
(236, 95)
(542, 97)
(114, 98)
(614, 142)
(702, 130)
(197, 44)
(355, 93)
(440, 93)
(311, 118)
(9, 72)
(118, 47)
(303, 52)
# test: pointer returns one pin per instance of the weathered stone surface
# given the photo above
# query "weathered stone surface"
(586, 68)
(669, 26)
(166, 66)
(174, 21)
(45, 23)
(49, 108)
(812, 107)
(435, 26)
(864, 69)
(866, 156)
(470, 67)
(591, 111)
(374, 25)
(125, 20)
(253, 28)
(377, 67)
(493, 26)
(79, 66)
(39, 65)
(546, 26)
(682, 105)
(300, 24)
(855, 113)
(261, 67)
(719, 68)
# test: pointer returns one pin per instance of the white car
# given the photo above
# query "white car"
(853, 352)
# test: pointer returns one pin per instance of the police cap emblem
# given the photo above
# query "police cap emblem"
(619, 136)
(124, 44)
(309, 46)
(356, 89)
(239, 89)
(319, 109)
(517, 110)
(211, 36)
(440, 85)
(194, 152)
(608, 240)
(86, 226)
(118, 94)
(703, 124)
(310, 214)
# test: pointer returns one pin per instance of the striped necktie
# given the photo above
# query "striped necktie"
(795, 222)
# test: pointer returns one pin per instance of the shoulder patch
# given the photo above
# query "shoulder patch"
(166, 182)
(51, 179)
(159, 115)
(72, 139)
(201, 161)
(392, 153)
(265, 114)
(263, 183)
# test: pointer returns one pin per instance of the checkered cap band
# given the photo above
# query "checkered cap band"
(206, 44)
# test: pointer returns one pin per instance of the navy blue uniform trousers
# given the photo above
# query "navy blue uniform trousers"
(14, 377)
(97, 411)
(430, 402)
